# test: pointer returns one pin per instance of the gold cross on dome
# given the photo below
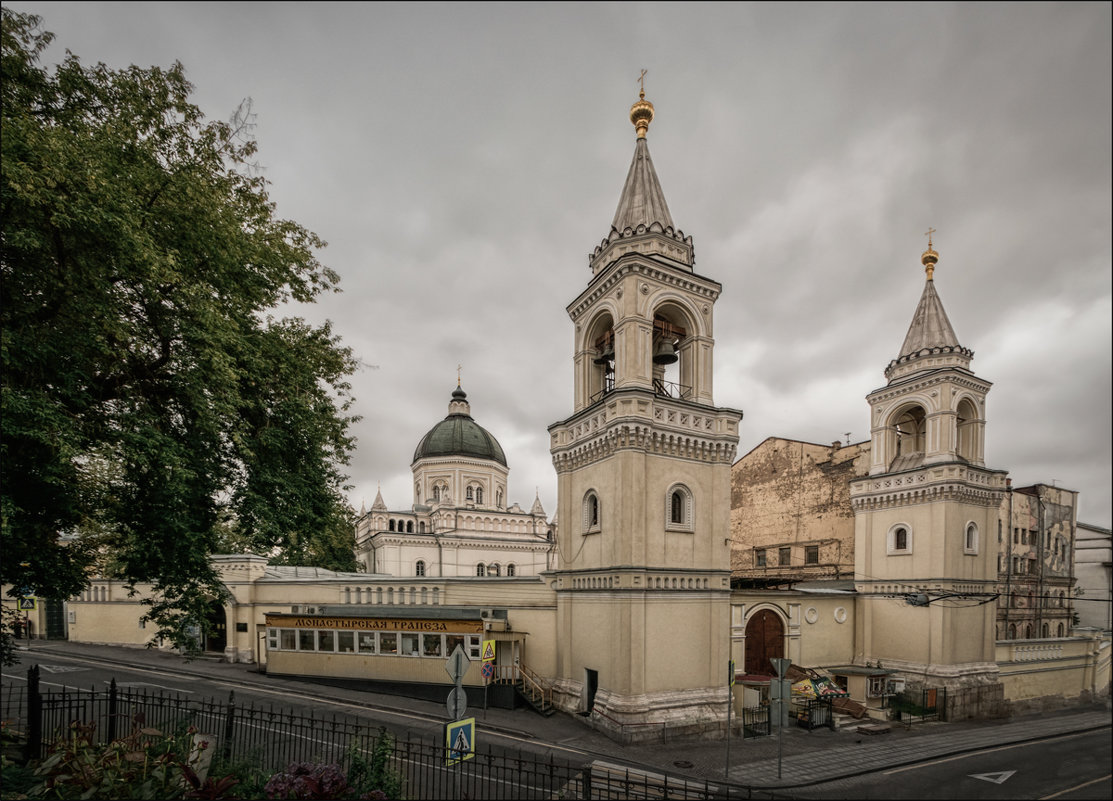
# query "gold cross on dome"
(641, 80)
(928, 234)
(458, 368)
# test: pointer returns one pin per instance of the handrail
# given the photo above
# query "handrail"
(536, 685)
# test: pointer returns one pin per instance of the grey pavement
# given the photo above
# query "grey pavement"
(809, 757)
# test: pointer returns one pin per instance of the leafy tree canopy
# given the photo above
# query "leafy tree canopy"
(154, 411)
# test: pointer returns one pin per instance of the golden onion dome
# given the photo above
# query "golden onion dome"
(641, 114)
(930, 257)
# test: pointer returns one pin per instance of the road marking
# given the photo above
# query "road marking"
(981, 751)
(1078, 787)
(1000, 777)
(123, 684)
(62, 668)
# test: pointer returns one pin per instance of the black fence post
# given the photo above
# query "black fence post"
(112, 698)
(229, 727)
(34, 715)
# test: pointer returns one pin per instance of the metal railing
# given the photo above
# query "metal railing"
(671, 389)
(918, 705)
(271, 739)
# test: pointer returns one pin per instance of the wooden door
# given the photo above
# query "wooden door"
(764, 641)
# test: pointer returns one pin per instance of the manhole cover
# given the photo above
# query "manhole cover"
(683, 764)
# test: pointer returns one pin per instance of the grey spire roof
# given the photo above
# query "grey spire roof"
(379, 505)
(642, 202)
(930, 327)
(930, 342)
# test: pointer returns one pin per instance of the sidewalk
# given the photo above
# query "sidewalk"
(810, 757)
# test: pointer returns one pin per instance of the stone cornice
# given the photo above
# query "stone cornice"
(951, 481)
(652, 240)
(626, 578)
(635, 419)
(634, 264)
(944, 376)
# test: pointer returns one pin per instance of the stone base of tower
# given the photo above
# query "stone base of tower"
(971, 690)
(700, 712)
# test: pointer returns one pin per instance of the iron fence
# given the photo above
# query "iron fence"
(918, 704)
(270, 739)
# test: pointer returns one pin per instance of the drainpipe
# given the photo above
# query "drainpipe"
(1008, 557)
(1040, 525)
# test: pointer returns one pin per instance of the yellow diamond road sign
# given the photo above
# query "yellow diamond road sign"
(488, 650)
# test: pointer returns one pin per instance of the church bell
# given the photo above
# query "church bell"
(606, 350)
(665, 352)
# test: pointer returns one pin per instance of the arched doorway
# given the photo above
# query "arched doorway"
(216, 638)
(765, 640)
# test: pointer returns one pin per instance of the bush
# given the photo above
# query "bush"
(146, 764)
(368, 779)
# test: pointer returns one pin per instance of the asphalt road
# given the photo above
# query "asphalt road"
(1069, 768)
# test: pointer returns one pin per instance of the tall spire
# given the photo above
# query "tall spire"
(379, 505)
(642, 201)
(642, 211)
(930, 341)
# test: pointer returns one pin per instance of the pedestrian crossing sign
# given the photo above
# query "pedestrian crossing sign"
(459, 741)
(27, 603)
(488, 650)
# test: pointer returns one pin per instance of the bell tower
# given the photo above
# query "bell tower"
(926, 516)
(643, 468)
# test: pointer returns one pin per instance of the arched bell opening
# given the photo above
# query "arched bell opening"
(907, 438)
(600, 349)
(673, 353)
(967, 445)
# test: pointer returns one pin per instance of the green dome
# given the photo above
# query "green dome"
(459, 435)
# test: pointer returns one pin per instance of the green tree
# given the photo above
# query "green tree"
(153, 409)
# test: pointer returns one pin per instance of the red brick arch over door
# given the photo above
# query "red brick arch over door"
(765, 640)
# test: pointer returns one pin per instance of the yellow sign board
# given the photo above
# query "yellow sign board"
(374, 623)
(27, 603)
(488, 650)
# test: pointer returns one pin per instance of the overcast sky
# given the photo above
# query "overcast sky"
(462, 161)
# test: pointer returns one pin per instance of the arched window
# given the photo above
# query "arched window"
(481, 569)
(510, 570)
(469, 494)
(1060, 629)
(479, 494)
(409, 527)
(419, 568)
(392, 525)
(1028, 631)
(678, 508)
(1012, 631)
(498, 497)
(493, 569)
(899, 540)
(1046, 630)
(421, 527)
(436, 493)
(591, 513)
(970, 543)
